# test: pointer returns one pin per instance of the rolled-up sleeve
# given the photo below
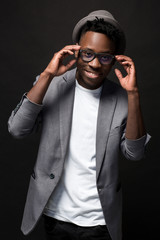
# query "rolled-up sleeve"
(135, 149)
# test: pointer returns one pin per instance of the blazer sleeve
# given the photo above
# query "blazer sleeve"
(25, 118)
(134, 149)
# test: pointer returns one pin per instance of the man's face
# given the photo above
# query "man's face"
(92, 74)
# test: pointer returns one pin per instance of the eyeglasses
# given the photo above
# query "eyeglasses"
(88, 55)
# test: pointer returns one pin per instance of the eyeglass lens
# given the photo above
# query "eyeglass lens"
(88, 56)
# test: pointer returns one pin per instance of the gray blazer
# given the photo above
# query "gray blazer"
(56, 117)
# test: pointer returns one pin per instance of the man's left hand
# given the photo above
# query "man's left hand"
(128, 82)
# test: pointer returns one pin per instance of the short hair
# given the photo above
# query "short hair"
(100, 26)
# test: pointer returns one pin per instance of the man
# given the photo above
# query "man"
(86, 119)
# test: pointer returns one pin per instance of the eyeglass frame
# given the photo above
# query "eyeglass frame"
(98, 55)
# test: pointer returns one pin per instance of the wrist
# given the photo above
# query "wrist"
(134, 92)
(47, 75)
(133, 97)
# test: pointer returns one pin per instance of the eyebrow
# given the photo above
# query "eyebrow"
(108, 52)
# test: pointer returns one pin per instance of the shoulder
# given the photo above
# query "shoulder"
(59, 85)
(68, 77)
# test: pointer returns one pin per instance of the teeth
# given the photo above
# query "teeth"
(92, 75)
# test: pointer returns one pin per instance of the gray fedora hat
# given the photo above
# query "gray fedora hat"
(108, 17)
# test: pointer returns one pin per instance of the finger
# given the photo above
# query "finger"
(123, 58)
(61, 55)
(65, 68)
(65, 53)
(70, 64)
(125, 62)
(118, 74)
(72, 47)
(127, 65)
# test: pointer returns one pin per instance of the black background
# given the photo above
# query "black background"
(31, 31)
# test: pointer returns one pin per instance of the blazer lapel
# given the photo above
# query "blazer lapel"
(105, 116)
(67, 91)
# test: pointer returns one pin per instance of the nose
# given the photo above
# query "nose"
(95, 63)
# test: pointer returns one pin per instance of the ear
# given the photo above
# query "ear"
(76, 52)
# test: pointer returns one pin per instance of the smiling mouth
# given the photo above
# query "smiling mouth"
(92, 74)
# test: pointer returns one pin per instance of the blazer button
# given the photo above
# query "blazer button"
(52, 176)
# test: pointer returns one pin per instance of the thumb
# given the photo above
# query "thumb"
(118, 74)
(70, 64)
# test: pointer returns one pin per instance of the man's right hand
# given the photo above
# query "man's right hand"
(56, 66)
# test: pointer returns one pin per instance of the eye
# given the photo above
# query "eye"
(87, 54)
(106, 58)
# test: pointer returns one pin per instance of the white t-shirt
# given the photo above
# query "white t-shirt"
(76, 199)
